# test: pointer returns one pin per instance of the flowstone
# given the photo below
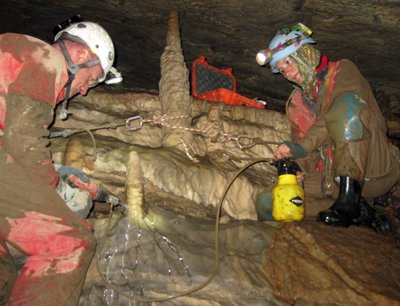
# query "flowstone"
(166, 254)
(261, 263)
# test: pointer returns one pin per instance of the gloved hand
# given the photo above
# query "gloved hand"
(296, 150)
(66, 171)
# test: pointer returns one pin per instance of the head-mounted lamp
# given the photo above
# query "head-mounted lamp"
(65, 24)
(113, 77)
(263, 57)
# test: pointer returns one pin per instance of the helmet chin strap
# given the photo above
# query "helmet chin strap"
(73, 69)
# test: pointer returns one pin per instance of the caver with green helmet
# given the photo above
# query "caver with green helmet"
(338, 133)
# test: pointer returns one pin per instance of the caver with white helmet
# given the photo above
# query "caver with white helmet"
(97, 39)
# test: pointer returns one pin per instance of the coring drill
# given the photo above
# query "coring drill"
(97, 193)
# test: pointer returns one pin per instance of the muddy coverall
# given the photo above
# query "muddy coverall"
(33, 217)
(348, 119)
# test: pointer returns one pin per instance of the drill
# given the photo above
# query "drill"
(97, 193)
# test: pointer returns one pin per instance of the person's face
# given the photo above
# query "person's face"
(85, 78)
(289, 70)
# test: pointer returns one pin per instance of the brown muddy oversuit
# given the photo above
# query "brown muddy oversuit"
(33, 217)
(356, 130)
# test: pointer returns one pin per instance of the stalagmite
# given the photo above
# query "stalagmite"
(134, 187)
(174, 87)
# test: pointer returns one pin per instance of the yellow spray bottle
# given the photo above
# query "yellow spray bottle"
(288, 196)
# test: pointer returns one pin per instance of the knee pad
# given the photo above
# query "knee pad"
(343, 117)
(264, 207)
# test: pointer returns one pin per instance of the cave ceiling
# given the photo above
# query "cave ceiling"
(229, 33)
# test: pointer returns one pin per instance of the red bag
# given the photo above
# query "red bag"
(218, 85)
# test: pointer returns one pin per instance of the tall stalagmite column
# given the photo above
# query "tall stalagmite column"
(174, 86)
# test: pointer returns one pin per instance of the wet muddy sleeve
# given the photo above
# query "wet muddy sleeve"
(316, 136)
(25, 135)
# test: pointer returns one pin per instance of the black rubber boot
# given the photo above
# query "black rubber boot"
(346, 210)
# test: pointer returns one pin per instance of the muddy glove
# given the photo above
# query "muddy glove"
(65, 172)
(296, 149)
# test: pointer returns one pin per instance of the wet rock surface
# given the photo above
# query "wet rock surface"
(167, 254)
(333, 266)
(261, 263)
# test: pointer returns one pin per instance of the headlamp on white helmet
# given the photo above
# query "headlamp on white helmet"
(113, 77)
(285, 42)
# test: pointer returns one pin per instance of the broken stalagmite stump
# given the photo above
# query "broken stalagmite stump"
(134, 187)
(74, 155)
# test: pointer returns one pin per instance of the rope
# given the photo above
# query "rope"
(162, 119)
(219, 137)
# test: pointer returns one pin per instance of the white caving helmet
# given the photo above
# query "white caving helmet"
(96, 38)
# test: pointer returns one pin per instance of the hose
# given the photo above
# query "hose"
(152, 300)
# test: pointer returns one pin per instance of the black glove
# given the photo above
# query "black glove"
(65, 172)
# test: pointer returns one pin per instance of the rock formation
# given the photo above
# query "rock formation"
(165, 243)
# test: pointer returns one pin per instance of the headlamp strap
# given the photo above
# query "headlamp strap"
(72, 67)
(288, 43)
(90, 64)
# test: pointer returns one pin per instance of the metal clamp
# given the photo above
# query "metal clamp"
(135, 128)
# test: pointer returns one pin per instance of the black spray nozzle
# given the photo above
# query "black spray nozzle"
(286, 166)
